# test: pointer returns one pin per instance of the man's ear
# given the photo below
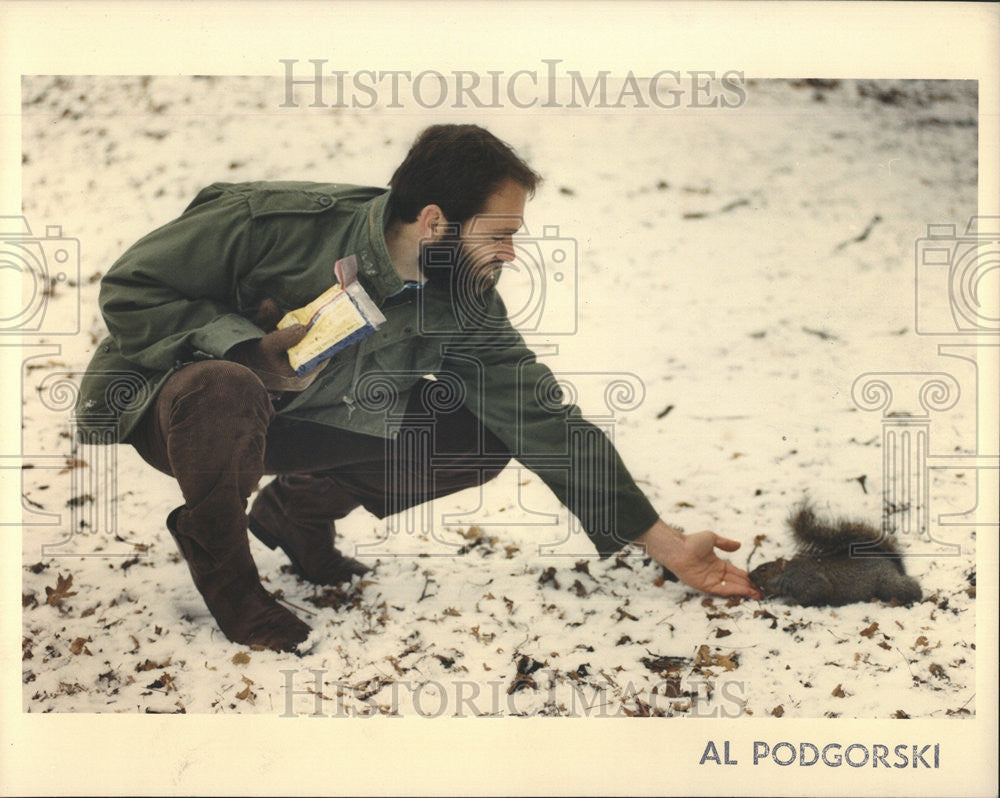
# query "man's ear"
(430, 223)
(433, 225)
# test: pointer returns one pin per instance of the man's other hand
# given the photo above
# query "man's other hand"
(694, 561)
(267, 357)
(268, 315)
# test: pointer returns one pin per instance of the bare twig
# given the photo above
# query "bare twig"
(423, 593)
(912, 675)
(296, 606)
(859, 238)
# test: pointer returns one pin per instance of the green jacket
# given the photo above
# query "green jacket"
(187, 291)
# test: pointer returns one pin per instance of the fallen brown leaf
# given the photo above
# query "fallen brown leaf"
(869, 631)
(149, 665)
(472, 533)
(549, 576)
(71, 464)
(727, 661)
(79, 646)
(165, 682)
(55, 596)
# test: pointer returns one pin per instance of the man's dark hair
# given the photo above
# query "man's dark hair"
(457, 168)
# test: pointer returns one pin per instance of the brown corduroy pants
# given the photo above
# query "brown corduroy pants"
(214, 429)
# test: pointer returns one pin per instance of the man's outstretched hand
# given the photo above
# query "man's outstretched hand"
(693, 560)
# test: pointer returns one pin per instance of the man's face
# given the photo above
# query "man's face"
(472, 261)
(487, 238)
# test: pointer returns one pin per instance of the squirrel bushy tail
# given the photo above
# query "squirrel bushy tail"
(837, 562)
(818, 537)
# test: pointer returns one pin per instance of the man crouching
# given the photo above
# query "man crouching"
(191, 309)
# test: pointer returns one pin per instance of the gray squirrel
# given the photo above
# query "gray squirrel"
(837, 562)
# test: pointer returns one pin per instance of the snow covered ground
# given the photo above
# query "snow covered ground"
(723, 268)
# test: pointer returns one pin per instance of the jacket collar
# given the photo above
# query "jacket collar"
(375, 269)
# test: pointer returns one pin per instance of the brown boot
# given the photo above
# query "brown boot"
(225, 575)
(309, 544)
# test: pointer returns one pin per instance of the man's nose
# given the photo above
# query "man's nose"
(506, 251)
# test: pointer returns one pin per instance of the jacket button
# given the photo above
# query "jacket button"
(107, 347)
(325, 200)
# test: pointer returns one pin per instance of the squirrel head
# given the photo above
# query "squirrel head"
(767, 576)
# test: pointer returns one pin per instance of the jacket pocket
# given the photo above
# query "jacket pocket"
(271, 202)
